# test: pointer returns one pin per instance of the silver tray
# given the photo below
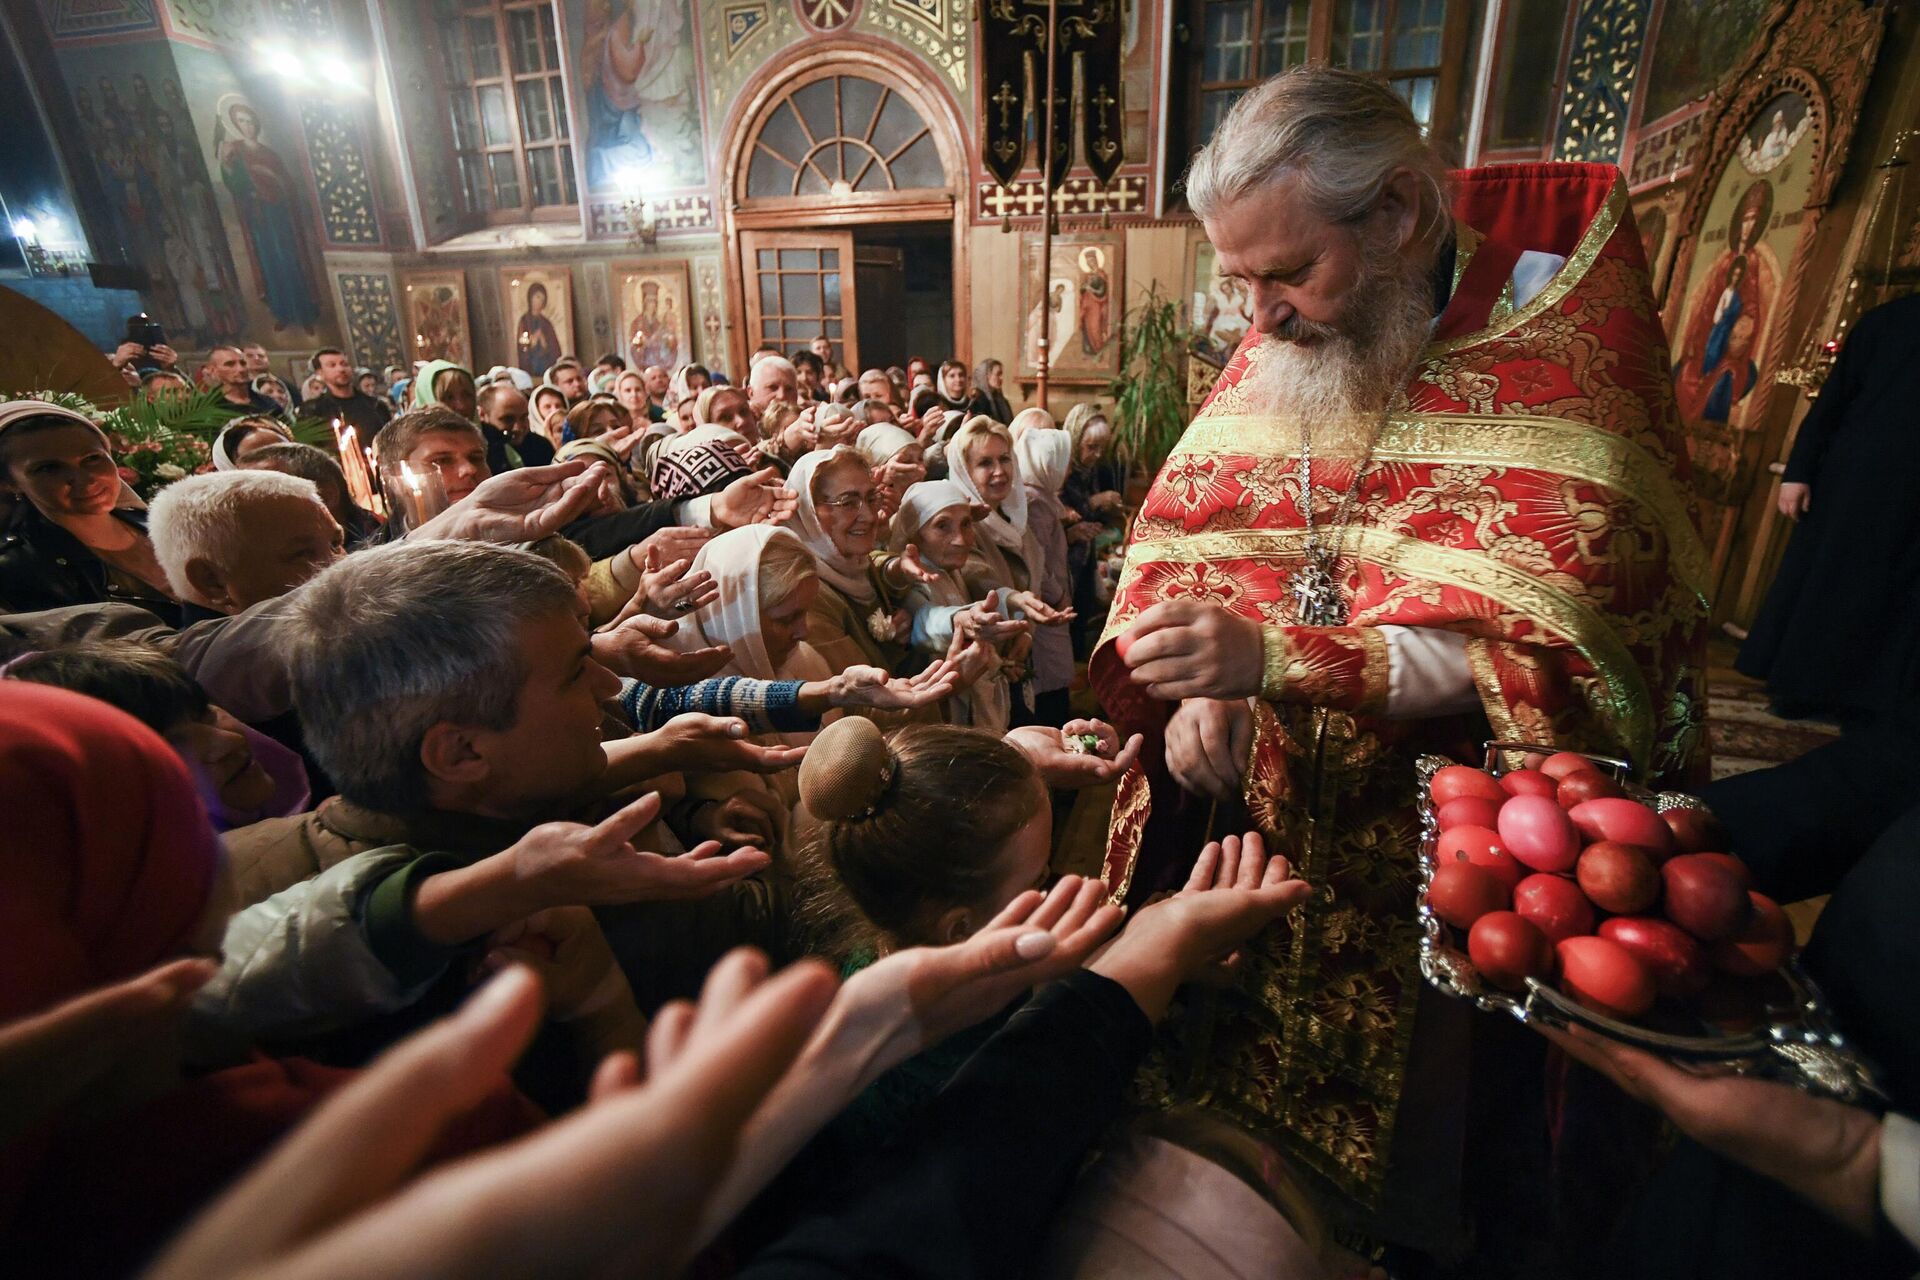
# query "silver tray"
(1797, 1046)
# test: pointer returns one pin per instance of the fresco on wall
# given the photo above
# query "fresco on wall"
(642, 94)
(133, 115)
(275, 221)
(1697, 43)
(1751, 229)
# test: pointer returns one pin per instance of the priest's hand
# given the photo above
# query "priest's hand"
(1795, 499)
(1183, 649)
(1207, 746)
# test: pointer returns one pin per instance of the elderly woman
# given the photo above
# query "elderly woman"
(768, 581)
(244, 437)
(857, 618)
(1092, 492)
(1043, 456)
(69, 540)
(949, 611)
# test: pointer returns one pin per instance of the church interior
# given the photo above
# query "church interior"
(1642, 531)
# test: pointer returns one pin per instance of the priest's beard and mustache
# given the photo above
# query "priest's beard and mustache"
(1313, 372)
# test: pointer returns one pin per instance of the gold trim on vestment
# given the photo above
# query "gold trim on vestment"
(1570, 274)
(1486, 681)
(1627, 703)
(1561, 446)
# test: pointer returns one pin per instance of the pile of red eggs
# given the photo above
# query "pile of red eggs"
(1553, 873)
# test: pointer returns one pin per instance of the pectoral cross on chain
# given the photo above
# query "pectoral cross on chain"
(1317, 598)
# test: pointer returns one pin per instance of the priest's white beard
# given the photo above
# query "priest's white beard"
(1311, 372)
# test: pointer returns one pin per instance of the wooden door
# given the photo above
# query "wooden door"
(799, 285)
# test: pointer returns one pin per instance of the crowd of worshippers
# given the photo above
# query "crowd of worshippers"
(716, 737)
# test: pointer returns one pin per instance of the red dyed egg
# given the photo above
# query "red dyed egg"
(1540, 833)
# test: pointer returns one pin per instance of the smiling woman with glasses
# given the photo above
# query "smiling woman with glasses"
(859, 618)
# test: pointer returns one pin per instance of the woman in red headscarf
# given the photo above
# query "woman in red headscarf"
(109, 868)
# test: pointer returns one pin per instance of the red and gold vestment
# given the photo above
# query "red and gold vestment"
(1529, 494)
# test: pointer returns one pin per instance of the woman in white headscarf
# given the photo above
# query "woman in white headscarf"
(1044, 456)
(244, 435)
(857, 618)
(767, 580)
(940, 518)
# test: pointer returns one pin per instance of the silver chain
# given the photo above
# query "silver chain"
(1317, 595)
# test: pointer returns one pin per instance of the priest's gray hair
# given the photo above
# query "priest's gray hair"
(1334, 135)
(394, 640)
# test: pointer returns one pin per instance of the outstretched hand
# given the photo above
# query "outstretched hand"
(876, 689)
(524, 505)
(620, 1182)
(1233, 892)
(569, 863)
(759, 497)
(51, 1058)
(694, 742)
(634, 649)
(1065, 770)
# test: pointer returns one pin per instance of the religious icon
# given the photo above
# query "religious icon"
(272, 214)
(654, 315)
(1734, 283)
(1716, 367)
(643, 109)
(436, 316)
(541, 301)
(1072, 303)
(1221, 310)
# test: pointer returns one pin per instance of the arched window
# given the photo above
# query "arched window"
(841, 135)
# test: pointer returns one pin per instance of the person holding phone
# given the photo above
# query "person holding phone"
(143, 350)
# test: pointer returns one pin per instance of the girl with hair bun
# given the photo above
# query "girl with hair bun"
(919, 837)
(916, 838)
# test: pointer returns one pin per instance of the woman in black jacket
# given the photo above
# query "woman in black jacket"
(67, 541)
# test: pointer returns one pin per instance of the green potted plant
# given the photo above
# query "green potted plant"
(1150, 393)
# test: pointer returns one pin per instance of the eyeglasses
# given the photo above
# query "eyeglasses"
(870, 500)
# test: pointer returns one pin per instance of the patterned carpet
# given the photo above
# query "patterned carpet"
(1744, 736)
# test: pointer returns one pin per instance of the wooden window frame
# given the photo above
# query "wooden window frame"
(565, 141)
(1448, 107)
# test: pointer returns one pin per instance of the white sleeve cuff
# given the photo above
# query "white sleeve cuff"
(694, 513)
(1427, 673)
